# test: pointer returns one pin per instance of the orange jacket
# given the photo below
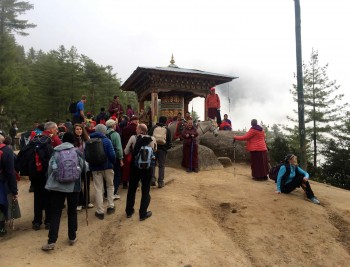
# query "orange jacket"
(212, 101)
(255, 140)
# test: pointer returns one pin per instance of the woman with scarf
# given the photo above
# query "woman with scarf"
(256, 145)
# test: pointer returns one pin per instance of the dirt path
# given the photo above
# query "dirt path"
(210, 218)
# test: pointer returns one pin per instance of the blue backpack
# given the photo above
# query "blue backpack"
(68, 166)
(144, 158)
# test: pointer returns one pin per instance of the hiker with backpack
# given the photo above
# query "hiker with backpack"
(256, 145)
(190, 147)
(33, 161)
(118, 149)
(291, 176)
(100, 155)
(163, 139)
(9, 208)
(64, 183)
(141, 146)
(102, 117)
(80, 138)
(78, 114)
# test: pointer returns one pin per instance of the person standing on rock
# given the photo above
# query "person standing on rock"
(256, 145)
(290, 176)
(212, 106)
(190, 147)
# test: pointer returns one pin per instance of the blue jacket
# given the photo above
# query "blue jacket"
(292, 174)
(109, 150)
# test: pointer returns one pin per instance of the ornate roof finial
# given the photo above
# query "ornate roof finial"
(172, 62)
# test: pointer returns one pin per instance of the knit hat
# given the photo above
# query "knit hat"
(110, 123)
(68, 137)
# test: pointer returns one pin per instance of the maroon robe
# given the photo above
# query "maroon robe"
(190, 148)
(127, 132)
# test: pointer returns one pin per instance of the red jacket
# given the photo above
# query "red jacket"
(55, 140)
(255, 139)
(212, 101)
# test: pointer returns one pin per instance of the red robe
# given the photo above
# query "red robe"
(190, 148)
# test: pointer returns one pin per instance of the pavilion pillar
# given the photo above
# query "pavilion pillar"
(141, 106)
(154, 107)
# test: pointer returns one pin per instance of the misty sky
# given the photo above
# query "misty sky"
(251, 39)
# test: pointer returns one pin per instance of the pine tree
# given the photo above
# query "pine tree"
(323, 106)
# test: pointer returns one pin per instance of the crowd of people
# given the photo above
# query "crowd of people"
(113, 149)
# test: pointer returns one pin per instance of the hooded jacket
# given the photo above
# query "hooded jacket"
(51, 183)
(109, 150)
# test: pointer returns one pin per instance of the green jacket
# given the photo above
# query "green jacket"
(116, 142)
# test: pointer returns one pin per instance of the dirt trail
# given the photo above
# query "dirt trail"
(210, 218)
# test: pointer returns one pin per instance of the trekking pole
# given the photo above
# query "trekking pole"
(234, 157)
(85, 190)
(12, 221)
(191, 154)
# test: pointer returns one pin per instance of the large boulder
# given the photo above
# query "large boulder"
(207, 160)
(222, 145)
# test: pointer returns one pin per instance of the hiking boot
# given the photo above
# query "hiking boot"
(189, 170)
(153, 183)
(72, 242)
(160, 184)
(36, 226)
(110, 210)
(48, 247)
(195, 169)
(146, 216)
(100, 216)
(116, 197)
(90, 205)
(79, 208)
(314, 200)
(47, 226)
(129, 215)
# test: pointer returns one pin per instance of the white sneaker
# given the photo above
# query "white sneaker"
(116, 196)
(90, 205)
(79, 208)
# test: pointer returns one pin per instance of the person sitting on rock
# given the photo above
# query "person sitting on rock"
(290, 176)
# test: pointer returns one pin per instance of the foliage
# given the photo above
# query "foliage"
(322, 103)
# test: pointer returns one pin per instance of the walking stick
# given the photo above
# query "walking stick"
(191, 154)
(234, 157)
(12, 221)
(85, 191)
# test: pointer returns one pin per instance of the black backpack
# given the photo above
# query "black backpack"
(94, 152)
(34, 158)
(73, 107)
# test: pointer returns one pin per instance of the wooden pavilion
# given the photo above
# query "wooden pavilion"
(174, 86)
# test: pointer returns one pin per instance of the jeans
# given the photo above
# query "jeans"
(57, 202)
(160, 156)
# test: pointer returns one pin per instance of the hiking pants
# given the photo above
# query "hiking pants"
(117, 174)
(298, 182)
(161, 156)
(57, 202)
(145, 177)
(99, 176)
(41, 200)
